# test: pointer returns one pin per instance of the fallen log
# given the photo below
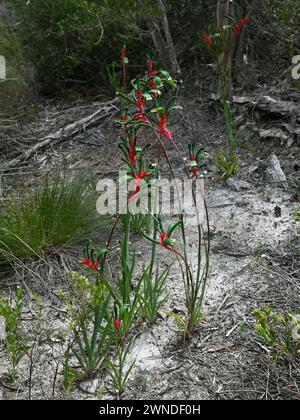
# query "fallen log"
(270, 105)
(64, 133)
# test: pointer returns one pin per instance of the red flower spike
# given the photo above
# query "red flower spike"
(163, 131)
(152, 72)
(194, 168)
(239, 26)
(86, 262)
(142, 175)
(123, 54)
(117, 324)
(208, 40)
(167, 242)
(134, 193)
(138, 181)
(153, 86)
(140, 100)
(142, 118)
(90, 264)
(132, 153)
(163, 238)
(95, 265)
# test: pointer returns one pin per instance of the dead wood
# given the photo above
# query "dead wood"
(65, 133)
(270, 105)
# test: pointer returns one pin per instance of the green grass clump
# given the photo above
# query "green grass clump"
(61, 212)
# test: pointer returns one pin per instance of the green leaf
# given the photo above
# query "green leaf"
(123, 310)
(147, 96)
(172, 227)
(166, 75)
(157, 110)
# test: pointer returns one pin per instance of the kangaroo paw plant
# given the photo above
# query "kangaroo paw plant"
(220, 46)
(145, 122)
(115, 300)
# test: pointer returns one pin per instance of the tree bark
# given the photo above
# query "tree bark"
(160, 31)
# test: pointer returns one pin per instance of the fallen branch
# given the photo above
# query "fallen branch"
(64, 133)
(270, 105)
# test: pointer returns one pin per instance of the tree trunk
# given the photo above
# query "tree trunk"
(162, 38)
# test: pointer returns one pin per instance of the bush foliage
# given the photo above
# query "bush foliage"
(72, 41)
(78, 42)
(18, 87)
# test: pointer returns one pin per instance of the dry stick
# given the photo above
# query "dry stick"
(64, 133)
(31, 368)
(55, 380)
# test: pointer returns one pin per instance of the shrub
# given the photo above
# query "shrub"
(72, 41)
(15, 341)
(279, 331)
(60, 212)
(61, 38)
(17, 89)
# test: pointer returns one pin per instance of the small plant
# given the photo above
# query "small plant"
(120, 370)
(89, 306)
(91, 350)
(113, 76)
(228, 166)
(280, 332)
(152, 295)
(15, 341)
(70, 376)
(128, 304)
